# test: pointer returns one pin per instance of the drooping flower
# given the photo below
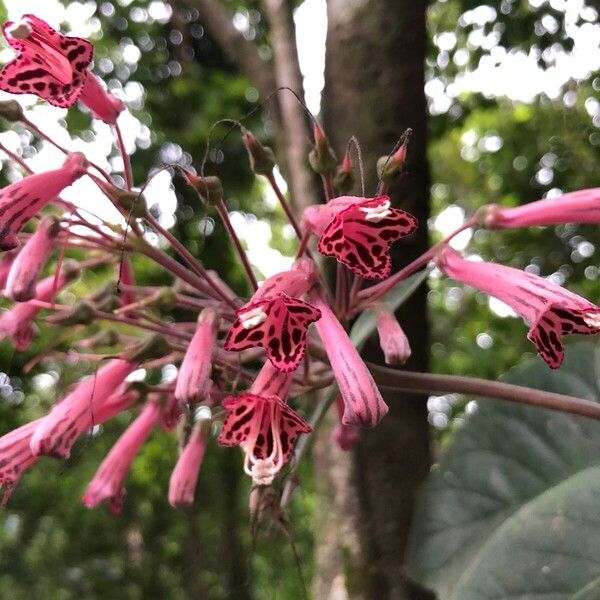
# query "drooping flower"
(363, 403)
(107, 483)
(54, 67)
(263, 425)
(275, 319)
(26, 268)
(550, 310)
(392, 339)
(358, 232)
(184, 477)
(582, 206)
(345, 436)
(23, 199)
(76, 413)
(18, 321)
(193, 380)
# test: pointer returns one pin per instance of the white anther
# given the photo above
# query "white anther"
(20, 30)
(263, 471)
(253, 317)
(377, 213)
(592, 320)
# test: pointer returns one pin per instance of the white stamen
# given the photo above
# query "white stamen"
(263, 471)
(253, 317)
(377, 213)
(20, 30)
(592, 320)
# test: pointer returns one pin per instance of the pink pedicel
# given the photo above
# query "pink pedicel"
(275, 319)
(358, 232)
(58, 431)
(582, 206)
(363, 403)
(23, 199)
(193, 379)
(184, 477)
(263, 425)
(26, 268)
(550, 310)
(107, 484)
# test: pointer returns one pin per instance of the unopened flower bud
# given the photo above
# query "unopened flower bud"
(322, 158)
(154, 346)
(209, 188)
(128, 202)
(262, 158)
(344, 176)
(392, 339)
(106, 337)
(82, 313)
(389, 168)
(11, 110)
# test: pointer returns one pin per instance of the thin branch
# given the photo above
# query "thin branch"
(411, 381)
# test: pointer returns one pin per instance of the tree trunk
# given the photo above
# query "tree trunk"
(374, 89)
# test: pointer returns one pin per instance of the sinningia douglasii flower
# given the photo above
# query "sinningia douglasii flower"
(241, 369)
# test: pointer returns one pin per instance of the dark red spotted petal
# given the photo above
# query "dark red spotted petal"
(282, 332)
(360, 236)
(241, 415)
(576, 320)
(34, 72)
(546, 335)
(291, 425)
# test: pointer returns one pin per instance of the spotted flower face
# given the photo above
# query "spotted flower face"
(358, 232)
(266, 428)
(50, 65)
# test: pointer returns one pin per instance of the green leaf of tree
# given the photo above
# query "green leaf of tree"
(511, 511)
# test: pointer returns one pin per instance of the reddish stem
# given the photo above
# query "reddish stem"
(125, 158)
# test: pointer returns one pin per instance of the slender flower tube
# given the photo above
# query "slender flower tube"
(275, 319)
(363, 403)
(58, 431)
(23, 199)
(184, 477)
(263, 425)
(392, 339)
(582, 206)
(18, 321)
(6, 262)
(358, 232)
(54, 67)
(26, 268)
(193, 381)
(345, 436)
(107, 483)
(548, 309)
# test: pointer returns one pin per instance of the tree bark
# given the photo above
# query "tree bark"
(374, 89)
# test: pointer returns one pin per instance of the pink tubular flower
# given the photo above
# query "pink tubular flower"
(107, 483)
(58, 431)
(358, 232)
(582, 206)
(23, 199)
(392, 339)
(275, 319)
(263, 425)
(548, 309)
(182, 484)
(18, 321)
(6, 262)
(193, 381)
(26, 268)
(54, 67)
(363, 404)
(345, 436)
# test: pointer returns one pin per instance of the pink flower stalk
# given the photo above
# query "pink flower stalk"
(275, 319)
(392, 339)
(345, 436)
(18, 321)
(263, 425)
(125, 273)
(23, 199)
(26, 268)
(78, 412)
(193, 381)
(107, 483)
(15, 457)
(363, 403)
(54, 67)
(184, 477)
(548, 309)
(582, 206)
(358, 232)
